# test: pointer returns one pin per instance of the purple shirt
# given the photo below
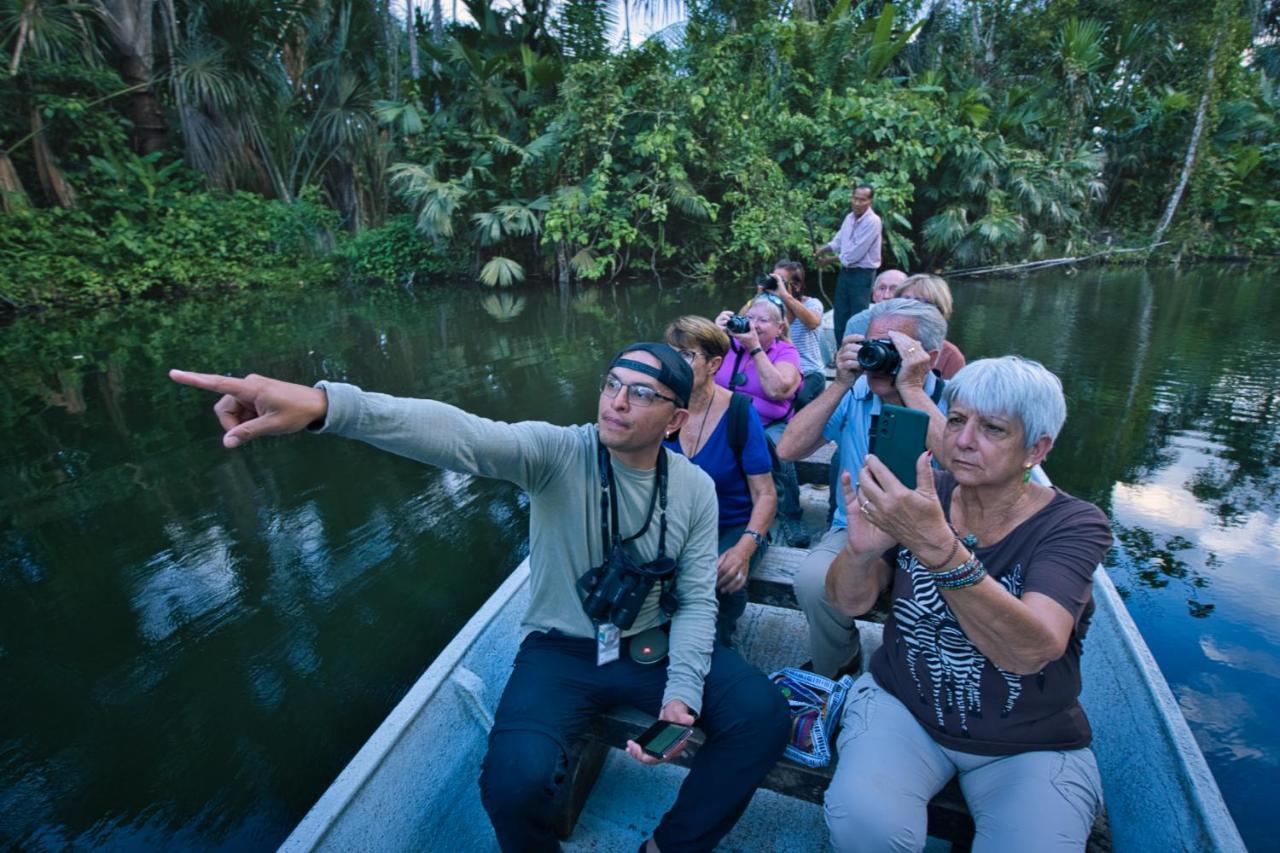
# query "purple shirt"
(857, 243)
(779, 352)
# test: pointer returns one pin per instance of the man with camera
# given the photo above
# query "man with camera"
(622, 544)
(857, 247)
(891, 365)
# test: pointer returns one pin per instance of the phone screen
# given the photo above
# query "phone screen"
(661, 736)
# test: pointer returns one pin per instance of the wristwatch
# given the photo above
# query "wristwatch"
(754, 351)
(760, 540)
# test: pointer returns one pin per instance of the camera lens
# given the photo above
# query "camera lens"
(879, 356)
(737, 325)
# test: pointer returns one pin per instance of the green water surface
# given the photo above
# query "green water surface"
(194, 641)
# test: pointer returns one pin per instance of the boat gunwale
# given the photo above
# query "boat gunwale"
(1197, 780)
(310, 832)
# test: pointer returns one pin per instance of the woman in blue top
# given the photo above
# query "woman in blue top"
(742, 473)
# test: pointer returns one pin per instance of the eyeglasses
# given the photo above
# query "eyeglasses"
(689, 355)
(637, 395)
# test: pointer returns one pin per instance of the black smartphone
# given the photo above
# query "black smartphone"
(663, 738)
(898, 439)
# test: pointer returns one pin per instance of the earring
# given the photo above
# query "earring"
(1026, 475)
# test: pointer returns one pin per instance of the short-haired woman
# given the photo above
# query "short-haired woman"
(934, 290)
(990, 576)
(744, 485)
(762, 364)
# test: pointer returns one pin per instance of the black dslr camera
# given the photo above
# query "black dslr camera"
(767, 282)
(615, 592)
(738, 324)
(879, 356)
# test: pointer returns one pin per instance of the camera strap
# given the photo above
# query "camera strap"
(610, 534)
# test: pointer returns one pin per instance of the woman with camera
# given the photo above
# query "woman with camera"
(804, 319)
(990, 579)
(724, 437)
(762, 364)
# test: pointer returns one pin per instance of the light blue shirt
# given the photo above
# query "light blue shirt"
(850, 426)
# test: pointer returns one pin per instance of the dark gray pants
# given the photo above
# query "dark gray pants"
(853, 293)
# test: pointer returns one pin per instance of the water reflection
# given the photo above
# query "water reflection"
(193, 642)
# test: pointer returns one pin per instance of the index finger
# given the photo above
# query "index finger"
(208, 381)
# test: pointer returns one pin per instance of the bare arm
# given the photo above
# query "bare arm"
(803, 434)
(779, 381)
(1018, 635)
(731, 570)
(859, 573)
(806, 315)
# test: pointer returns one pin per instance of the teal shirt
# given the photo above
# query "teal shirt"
(558, 468)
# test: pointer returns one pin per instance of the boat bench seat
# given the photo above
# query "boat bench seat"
(813, 468)
(772, 634)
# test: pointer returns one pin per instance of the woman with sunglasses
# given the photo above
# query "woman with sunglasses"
(727, 441)
(762, 364)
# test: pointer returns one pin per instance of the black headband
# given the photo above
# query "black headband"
(673, 371)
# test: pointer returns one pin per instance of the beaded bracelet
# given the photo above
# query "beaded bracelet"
(955, 546)
(967, 574)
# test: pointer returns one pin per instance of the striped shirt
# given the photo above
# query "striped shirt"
(806, 340)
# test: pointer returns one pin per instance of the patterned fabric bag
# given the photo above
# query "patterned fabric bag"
(816, 702)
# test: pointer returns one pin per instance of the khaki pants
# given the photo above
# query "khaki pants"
(1042, 800)
(830, 641)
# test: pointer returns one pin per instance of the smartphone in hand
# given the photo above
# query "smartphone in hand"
(898, 439)
(663, 738)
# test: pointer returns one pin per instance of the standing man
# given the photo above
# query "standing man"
(857, 247)
(605, 500)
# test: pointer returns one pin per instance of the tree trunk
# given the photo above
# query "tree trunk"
(1189, 161)
(128, 23)
(411, 24)
(393, 51)
(562, 262)
(12, 194)
(55, 186)
(24, 24)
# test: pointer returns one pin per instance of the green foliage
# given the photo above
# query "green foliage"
(194, 241)
(394, 252)
(992, 132)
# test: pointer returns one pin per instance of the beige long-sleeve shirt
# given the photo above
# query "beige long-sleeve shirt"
(558, 467)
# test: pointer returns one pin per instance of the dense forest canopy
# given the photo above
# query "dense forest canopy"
(148, 146)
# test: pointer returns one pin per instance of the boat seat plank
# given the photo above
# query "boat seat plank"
(813, 468)
(771, 581)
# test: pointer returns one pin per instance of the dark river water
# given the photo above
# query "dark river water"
(194, 641)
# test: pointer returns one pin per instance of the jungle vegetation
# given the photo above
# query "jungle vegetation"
(156, 146)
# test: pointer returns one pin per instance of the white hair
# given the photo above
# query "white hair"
(1013, 387)
(931, 326)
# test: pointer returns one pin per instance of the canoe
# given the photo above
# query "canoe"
(413, 785)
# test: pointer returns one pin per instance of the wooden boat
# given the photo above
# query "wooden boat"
(413, 786)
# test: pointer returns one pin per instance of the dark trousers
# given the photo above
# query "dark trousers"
(853, 293)
(555, 690)
(733, 604)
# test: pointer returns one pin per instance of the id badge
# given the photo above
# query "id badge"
(608, 643)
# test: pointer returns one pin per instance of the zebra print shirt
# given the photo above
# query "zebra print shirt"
(957, 694)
